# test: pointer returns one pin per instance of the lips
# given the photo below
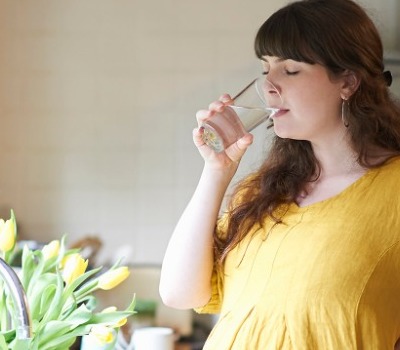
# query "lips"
(279, 113)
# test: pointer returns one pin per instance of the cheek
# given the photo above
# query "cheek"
(313, 100)
(299, 93)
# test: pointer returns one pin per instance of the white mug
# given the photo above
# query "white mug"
(153, 338)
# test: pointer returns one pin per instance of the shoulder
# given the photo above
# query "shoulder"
(389, 170)
(381, 192)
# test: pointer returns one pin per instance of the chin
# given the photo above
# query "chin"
(284, 134)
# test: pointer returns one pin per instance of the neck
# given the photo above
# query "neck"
(339, 168)
(337, 158)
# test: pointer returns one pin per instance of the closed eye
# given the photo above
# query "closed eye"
(286, 72)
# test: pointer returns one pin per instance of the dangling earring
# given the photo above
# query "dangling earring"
(345, 108)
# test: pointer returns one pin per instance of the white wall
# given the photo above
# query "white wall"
(386, 15)
(97, 105)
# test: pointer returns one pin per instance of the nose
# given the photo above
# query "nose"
(272, 91)
(270, 87)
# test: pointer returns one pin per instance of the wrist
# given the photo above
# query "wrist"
(219, 174)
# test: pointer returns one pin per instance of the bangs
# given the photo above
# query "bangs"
(282, 35)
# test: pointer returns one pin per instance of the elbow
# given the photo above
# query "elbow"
(182, 300)
(174, 302)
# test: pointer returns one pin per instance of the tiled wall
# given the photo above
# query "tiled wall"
(97, 104)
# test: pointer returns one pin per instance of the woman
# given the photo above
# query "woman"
(307, 255)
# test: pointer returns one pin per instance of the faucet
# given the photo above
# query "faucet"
(23, 320)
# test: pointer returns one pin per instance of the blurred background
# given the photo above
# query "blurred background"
(97, 106)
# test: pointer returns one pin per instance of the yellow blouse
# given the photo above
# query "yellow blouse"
(328, 278)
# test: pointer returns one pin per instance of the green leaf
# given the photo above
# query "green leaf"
(56, 304)
(132, 305)
(65, 345)
(68, 308)
(22, 344)
(52, 330)
(3, 344)
(3, 315)
(110, 318)
(116, 264)
(41, 294)
(90, 301)
(8, 335)
(84, 289)
(46, 299)
(57, 328)
(28, 266)
(81, 279)
(38, 261)
(79, 316)
(52, 344)
(53, 263)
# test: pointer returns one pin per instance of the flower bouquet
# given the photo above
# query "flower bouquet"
(59, 295)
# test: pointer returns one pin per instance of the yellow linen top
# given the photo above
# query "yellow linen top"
(328, 278)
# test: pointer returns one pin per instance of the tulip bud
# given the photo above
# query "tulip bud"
(51, 250)
(119, 323)
(73, 267)
(102, 334)
(112, 278)
(8, 231)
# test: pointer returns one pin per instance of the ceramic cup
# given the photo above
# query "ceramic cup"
(153, 338)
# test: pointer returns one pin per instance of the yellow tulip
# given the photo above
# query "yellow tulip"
(113, 309)
(51, 250)
(73, 267)
(113, 278)
(109, 309)
(8, 231)
(102, 334)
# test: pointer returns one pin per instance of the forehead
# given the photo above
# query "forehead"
(286, 63)
(268, 59)
(277, 60)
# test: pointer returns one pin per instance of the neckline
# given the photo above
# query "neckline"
(369, 172)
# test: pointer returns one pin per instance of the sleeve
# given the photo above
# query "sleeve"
(217, 278)
(214, 304)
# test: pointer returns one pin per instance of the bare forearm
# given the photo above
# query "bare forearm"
(188, 262)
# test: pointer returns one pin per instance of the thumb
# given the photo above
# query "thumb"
(236, 151)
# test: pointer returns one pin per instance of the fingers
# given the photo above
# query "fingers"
(226, 99)
(203, 115)
(236, 151)
(198, 137)
(218, 106)
(214, 107)
(245, 141)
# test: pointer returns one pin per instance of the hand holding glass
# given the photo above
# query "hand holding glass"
(252, 106)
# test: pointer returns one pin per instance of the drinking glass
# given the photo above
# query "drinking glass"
(257, 102)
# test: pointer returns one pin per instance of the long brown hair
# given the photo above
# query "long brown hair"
(339, 35)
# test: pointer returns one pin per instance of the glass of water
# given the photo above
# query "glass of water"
(257, 102)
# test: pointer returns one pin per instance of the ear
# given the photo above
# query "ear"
(350, 84)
